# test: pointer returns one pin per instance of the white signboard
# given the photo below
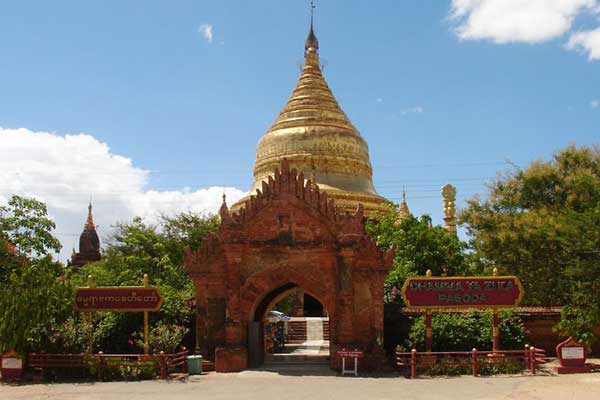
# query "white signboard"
(572, 353)
(12, 363)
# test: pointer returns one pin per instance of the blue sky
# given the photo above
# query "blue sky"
(439, 99)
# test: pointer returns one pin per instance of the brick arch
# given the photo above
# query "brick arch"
(310, 279)
(288, 233)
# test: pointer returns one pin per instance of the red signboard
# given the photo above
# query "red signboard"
(572, 356)
(462, 292)
(125, 298)
(350, 353)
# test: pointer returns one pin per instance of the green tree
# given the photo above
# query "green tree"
(138, 248)
(419, 247)
(543, 225)
(24, 222)
(187, 229)
(33, 302)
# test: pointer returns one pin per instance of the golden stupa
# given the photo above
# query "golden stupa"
(317, 138)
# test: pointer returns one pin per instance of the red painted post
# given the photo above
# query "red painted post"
(100, 364)
(184, 355)
(413, 364)
(474, 361)
(526, 356)
(163, 367)
(532, 359)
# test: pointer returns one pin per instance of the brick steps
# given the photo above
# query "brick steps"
(297, 330)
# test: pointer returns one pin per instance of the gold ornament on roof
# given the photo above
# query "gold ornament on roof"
(449, 196)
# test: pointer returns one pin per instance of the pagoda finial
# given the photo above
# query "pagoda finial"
(89, 223)
(224, 210)
(311, 45)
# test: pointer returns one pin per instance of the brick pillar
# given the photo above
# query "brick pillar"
(201, 330)
(345, 330)
(215, 326)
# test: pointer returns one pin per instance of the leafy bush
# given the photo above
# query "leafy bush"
(164, 337)
(484, 368)
(579, 322)
(463, 332)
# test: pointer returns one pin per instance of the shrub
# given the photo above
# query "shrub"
(463, 332)
(167, 338)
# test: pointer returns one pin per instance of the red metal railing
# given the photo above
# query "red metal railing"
(162, 363)
(529, 359)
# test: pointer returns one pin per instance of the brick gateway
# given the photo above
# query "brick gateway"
(288, 235)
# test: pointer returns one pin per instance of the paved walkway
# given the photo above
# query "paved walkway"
(251, 385)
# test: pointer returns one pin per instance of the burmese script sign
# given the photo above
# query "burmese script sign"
(126, 298)
(462, 292)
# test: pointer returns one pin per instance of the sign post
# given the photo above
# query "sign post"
(90, 322)
(146, 346)
(118, 299)
(443, 293)
(354, 354)
(495, 322)
(428, 331)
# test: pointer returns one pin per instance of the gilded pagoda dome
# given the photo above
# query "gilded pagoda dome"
(317, 139)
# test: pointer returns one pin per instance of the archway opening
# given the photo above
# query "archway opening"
(289, 326)
(312, 307)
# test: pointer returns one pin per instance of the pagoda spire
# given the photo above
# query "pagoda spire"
(313, 131)
(403, 212)
(89, 243)
(311, 41)
(89, 223)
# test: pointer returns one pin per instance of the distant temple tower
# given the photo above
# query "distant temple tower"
(403, 211)
(89, 244)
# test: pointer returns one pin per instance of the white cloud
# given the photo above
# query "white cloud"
(413, 110)
(207, 32)
(595, 103)
(64, 171)
(504, 21)
(586, 42)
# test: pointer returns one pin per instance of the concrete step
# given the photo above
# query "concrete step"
(290, 347)
(296, 358)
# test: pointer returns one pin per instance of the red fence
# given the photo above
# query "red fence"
(163, 364)
(529, 359)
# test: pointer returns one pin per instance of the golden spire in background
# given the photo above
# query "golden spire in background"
(449, 196)
(316, 137)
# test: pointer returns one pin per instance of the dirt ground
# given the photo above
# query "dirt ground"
(272, 385)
